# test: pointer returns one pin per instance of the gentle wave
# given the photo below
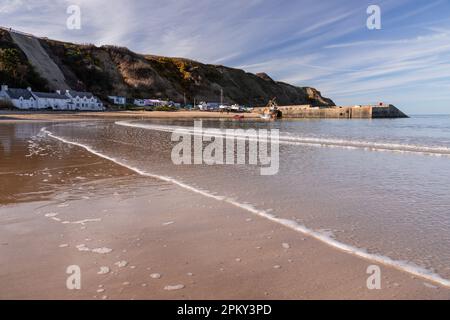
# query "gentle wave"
(309, 141)
(400, 265)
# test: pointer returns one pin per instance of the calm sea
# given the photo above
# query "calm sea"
(379, 186)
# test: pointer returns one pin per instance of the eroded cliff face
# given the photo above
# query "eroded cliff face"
(15, 69)
(110, 70)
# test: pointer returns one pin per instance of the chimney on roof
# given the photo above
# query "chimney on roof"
(4, 87)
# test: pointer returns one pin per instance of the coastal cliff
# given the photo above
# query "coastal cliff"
(110, 70)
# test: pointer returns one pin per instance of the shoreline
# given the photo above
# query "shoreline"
(102, 115)
(213, 249)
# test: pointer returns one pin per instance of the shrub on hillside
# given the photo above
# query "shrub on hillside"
(165, 108)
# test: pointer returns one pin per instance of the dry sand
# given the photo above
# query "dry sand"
(76, 116)
(139, 238)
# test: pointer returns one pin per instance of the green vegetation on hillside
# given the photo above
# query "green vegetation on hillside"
(15, 70)
(111, 70)
(87, 68)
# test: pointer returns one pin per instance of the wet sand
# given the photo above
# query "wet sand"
(154, 240)
(77, 116)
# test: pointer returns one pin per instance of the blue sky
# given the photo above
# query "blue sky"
(323, 44)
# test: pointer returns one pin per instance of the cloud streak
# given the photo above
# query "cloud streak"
(310, 43)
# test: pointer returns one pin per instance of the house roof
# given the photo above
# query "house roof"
(50, 95)
(17, 93)
(80, 94)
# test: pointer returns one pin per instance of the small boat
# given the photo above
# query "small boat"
(271, 112)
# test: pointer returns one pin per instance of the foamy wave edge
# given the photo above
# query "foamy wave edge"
(293, 225)
(309, 141)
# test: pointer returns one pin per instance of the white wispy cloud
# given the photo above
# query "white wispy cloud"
(306, 42)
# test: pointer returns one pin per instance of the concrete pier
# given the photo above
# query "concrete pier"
(345, 112)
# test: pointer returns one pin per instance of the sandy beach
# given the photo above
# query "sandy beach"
(77, 116)
(136, 237)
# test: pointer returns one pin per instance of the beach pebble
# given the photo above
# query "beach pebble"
(168, 223)
(175, 287)
(121, 264)
(155, 276)
(277, 267)
(286, 245)
(100, 290)
(103, 270)
(82, 247)
(102, 250)
(126, 283)
(190, 274)
(64, 245)
(238, 260)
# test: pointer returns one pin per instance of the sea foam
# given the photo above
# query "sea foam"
(303, 140)
(384, 260)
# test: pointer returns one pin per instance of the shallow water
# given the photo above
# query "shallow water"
(379, 185)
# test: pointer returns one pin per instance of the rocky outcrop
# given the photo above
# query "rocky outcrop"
(110, 70)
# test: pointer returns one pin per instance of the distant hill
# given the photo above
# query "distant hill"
(110, 70)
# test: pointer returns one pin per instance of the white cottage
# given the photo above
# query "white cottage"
(20, 98)
(50, 100)
(84, 101)
(117, 100)
(139, 102)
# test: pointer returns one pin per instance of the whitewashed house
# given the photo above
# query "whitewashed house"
(155, 102)
(84, 101)
(69, 100)
(205, 106)
(50, 100)
(117, 100)
(20, 98)
(139, 102)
